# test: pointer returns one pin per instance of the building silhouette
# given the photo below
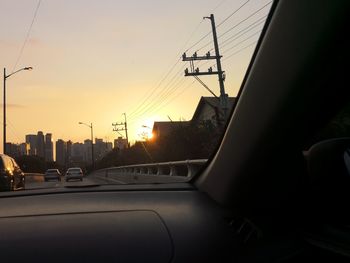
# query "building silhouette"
(120, 143)
(87, 151)
(69, 152)
(31, 140)
(16, 150)
(209, 110)
(48, 147)
(61, 152)
(40, 144)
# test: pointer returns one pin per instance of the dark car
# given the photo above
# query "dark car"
(11, 176)
(52, 174)
(74, 173)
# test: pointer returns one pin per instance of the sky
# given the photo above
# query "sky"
(95, 60)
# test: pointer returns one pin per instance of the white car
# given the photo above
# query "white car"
(74, 173)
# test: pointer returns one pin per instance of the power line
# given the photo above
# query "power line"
(27, 36)
(246, 30)
(240, 42)
(200, 40)
(237, 52)
(145, 105)
(155, 88)
(252, 25)
(161, 99)
(234, 12)
(254, 13)
(178, 59)
(240, 50)
(176, 96)
(169, 92)
(206, 35)
(220, 4)
(165, 93)
(173, 98)
(13, 129)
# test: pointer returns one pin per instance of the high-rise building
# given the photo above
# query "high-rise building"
(31, 139)
(24, 148)
(40, 144)
(48, 147)
(16, 150)
(77, 152)
(61, 150)
(87, 151)
(69, 152)
(109, 146)
(12, 149)
(99, 149)
(120, 143)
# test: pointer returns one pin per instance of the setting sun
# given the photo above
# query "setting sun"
(144, 131)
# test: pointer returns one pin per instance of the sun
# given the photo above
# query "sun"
(144, 132)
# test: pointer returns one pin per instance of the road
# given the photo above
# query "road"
(36, 182)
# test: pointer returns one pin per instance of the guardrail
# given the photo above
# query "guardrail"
(33, 174)
(186, 168)
(34, 177)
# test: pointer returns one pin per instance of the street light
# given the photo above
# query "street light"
(92, 142)
(4, 104)
(146, 135)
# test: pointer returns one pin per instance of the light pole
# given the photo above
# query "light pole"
(92, 143)
(4, 104)
(147, 135)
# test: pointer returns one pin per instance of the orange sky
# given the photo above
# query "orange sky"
(94, 60)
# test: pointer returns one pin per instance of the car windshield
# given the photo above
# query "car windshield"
(128, 92)
(74, 170)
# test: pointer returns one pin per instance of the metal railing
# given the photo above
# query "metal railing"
(187, 168)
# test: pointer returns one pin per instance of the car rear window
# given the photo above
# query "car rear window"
(74, 170)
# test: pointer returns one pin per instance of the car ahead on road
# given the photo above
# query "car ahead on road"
(11, 176)
(74, 173)
(52, 174)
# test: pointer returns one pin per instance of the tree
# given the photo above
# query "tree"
(182, 143)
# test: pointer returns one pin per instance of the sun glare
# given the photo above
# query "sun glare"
(144, 131)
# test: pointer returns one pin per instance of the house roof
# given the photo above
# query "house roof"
(161, 128)
(213, 102)
(165, 127)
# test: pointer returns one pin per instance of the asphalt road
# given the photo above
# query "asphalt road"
(36, 182)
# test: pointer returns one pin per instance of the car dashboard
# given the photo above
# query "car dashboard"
(179, 225)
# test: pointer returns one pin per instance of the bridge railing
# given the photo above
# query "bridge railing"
(186, 168)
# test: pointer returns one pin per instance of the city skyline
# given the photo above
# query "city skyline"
(116, 64)
(45, 146)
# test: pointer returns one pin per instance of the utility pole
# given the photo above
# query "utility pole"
(4, 102)
(221, 74)
(125, 128)
(92, 143)
(4, 114)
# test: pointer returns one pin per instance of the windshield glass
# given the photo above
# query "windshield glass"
(74, 170)
(123, 90)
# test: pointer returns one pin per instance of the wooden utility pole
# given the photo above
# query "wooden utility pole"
(195, 71)
(125, 128)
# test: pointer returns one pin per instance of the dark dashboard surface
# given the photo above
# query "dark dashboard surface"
(114, 226)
